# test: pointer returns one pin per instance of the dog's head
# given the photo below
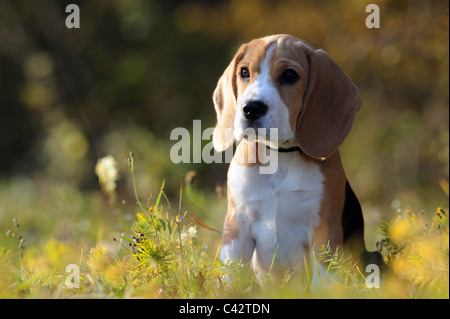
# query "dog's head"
(282, 82)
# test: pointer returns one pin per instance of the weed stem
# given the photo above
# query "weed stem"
(178, 224)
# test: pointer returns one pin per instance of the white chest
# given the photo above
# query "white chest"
(282, 209)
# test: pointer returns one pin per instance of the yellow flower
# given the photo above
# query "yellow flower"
(423, 259)
(400, 230)
(56, 255)
(104, 265)
(406, 228)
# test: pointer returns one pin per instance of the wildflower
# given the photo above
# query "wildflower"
(189, 234)
(440, 212)
(107, 172)
(400, 230)
(106, 266)
(406, 228)
(184, 236)
(192, 231)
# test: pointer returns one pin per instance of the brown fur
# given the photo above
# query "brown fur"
(322, 106)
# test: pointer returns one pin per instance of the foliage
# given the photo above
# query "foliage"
(137, 69)
(164, 257)
(418, 253)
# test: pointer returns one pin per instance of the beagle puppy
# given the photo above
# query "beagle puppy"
(277, 219)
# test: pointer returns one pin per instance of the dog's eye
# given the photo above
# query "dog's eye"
(245, 73)
(289, 77)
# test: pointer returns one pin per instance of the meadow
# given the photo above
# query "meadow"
(91, 205)
(167, 252)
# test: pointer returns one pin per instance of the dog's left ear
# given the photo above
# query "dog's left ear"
(225, 101)
(329, 107)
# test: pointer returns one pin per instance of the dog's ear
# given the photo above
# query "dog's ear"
(330, 103)
(225, 101)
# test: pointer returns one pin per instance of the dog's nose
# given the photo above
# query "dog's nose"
(254, 109)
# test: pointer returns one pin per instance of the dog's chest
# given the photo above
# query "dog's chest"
(282, 209)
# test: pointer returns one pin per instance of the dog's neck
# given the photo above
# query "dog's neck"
(284, 149)
(251, 153)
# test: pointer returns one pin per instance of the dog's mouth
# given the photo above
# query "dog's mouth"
(257, 130)
(269, 141)
(253, 125)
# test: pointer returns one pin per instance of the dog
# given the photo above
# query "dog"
(277, 220)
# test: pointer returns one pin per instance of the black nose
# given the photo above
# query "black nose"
(254, 109)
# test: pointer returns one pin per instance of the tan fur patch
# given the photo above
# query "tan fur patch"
(230, 229)
(329, 229)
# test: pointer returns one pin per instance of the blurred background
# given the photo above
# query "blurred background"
(136, 69)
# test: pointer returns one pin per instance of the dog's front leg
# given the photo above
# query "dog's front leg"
(237, 242)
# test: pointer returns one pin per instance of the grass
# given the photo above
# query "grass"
(167, 254)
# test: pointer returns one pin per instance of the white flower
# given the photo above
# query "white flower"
(192, 231)
(184, 237)
(107, 172)
(189, 234)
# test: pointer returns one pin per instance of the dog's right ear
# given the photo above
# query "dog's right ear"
(225, 101)
(330, 105)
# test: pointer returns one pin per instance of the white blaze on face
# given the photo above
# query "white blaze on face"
(263, 89)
